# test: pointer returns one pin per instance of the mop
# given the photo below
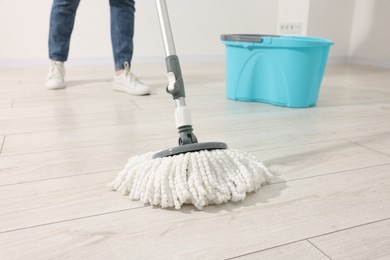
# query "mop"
(191, 173)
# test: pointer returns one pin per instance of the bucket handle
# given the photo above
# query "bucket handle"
(256, 38)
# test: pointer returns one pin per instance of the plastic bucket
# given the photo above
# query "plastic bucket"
(280, 70)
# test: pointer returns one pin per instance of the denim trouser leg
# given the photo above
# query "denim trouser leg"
(62, 18)
(122, 31)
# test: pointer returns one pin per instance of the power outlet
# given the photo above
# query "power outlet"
(290, 28)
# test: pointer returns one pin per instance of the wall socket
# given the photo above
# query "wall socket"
(290, 28)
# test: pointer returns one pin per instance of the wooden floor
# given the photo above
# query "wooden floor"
(329, 199)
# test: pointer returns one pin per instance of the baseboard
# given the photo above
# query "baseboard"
(15, 63)
(108, 60)
(337, 59)
(370, 61)
(45, 62)
(183, 58)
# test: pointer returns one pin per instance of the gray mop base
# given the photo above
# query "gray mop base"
(190, 148)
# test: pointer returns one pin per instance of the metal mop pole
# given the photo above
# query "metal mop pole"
(187, 139)
(175, 79)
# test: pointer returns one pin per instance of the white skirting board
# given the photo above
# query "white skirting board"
(371, 61)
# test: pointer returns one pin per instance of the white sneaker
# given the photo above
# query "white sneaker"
(55, 78)
(127, 82)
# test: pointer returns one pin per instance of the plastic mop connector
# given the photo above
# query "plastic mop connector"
(188, 142)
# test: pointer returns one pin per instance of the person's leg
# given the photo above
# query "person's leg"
(62, 19)
(122, 32)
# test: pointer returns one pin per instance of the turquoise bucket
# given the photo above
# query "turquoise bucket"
(280, 70)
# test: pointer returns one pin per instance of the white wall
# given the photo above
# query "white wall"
(370, 38)
(296, 11)
(359, 28)
(196, 25)
(23, 27)
(333, 19)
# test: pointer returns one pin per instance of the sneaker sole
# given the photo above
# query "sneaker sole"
(54, 87)
(118, 87)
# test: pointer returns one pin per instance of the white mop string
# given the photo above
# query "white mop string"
(199, 178)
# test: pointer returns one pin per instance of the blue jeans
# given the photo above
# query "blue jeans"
(62, 19)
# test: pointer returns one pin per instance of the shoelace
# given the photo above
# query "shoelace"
(55, 69)
(128, 73)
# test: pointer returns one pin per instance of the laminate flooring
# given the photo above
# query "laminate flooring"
(329, 197)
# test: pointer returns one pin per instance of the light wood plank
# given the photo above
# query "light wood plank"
(1, 143)
(380, 143)
(340, 96)
(77, 82)
(119, 115)
(61, 163)
(60, 110)
(289, 164)
(92, 89)
(44, 124)
(347, 130)
(317, 159)
(121, 105)
(11, 74)
(286, 164)
(355, 75)
(5, 103)
(86, 137)
(146, 71)
(24, 120)
(13, 121)
(343, 85)
(60, 199)
(9, 88)
(75, 88)
(370, 241)
(235, 130)
(263, 138)
(62, 98)
(302, 250)
(278, 214)
(290, 135)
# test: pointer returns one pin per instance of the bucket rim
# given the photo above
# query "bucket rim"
(263, 40)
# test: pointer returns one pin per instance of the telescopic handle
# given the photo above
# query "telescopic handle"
(165, 28)
(175, 79)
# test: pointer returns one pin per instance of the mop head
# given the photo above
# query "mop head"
(200, 178)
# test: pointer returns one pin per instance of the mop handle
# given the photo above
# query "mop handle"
(175, 78)
(165, 28)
